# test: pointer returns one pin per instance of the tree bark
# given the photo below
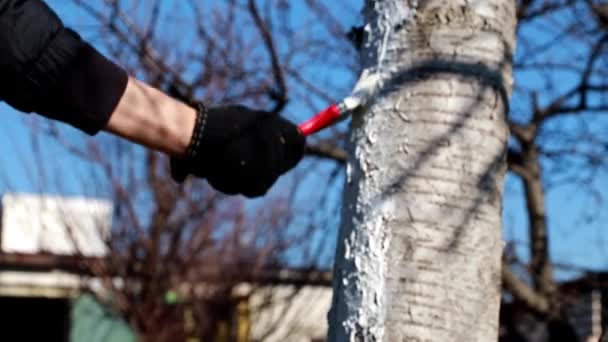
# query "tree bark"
(419, 249)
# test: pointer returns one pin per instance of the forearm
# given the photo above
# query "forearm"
(66, 79)
(153, 119)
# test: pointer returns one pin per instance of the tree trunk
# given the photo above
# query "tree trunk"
(420, 244)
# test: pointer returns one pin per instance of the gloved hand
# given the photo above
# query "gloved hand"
(239, 150)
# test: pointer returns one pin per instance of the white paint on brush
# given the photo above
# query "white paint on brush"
(395, 14)
(364, 89)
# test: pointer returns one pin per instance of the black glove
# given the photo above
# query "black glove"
(239, 150)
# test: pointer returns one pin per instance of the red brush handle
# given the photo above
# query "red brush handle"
(321, 120)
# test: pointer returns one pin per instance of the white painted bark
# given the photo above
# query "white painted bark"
(420, 243)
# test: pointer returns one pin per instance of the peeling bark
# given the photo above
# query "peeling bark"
(419, 251)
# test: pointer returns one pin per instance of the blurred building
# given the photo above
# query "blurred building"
(280, 305)
(585, 300)
(43, 242)
(46, 243)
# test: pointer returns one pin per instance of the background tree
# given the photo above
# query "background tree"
(558, 150)
(189, 239)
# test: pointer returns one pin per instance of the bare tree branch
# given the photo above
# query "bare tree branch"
(522, 292)
(280, 93)
(328, 150)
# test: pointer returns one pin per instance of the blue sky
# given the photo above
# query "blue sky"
(574, 240)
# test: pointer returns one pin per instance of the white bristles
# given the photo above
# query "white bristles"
(364, 89)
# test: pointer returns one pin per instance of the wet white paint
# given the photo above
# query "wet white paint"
(361, 308)
(362, 312)
(364, 90)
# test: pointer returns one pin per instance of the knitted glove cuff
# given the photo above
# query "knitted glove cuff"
(194, 147)
(179, 165)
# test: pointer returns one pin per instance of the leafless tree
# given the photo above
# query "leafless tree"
(189, 238)
(277, 55)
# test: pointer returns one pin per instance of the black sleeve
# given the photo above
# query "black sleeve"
(48, 69)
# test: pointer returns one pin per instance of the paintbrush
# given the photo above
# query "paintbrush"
(363, 91)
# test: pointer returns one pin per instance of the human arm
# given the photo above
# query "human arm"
(48, 69)
(149, 117)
